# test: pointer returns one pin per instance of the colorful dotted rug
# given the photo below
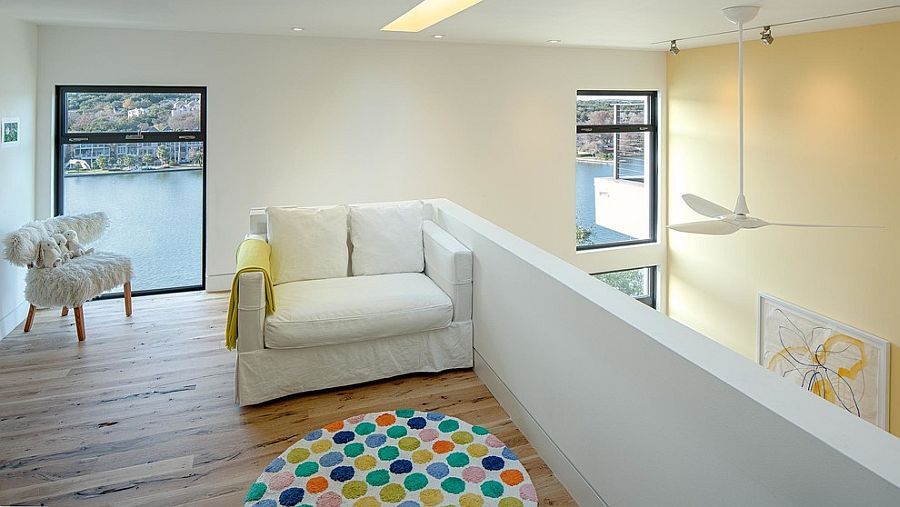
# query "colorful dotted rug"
(403, 458)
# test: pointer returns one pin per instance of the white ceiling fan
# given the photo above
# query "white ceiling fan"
(726, 221)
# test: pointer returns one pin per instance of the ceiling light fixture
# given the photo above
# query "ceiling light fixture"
(297, 29)
(553, 41)
(725, 221)
(438, 36)
(428, 13)
(766, 36)
(673, 48)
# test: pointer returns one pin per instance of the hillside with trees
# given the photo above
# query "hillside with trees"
(130, 112)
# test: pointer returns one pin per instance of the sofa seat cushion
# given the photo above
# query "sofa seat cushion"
(343, 310)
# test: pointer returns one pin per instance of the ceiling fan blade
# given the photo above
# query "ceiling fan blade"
(717, 227)
(705, 207)
(833, 226)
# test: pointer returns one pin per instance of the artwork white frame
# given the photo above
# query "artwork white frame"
(3, 131)
(883, 347)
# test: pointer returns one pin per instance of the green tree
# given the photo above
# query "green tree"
(582, 235)
(196, 156)
(162, 153)
(127, 160)
(146, 159)
(102, 162)
(630, 282)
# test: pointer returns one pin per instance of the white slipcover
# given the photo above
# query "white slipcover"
(387, 238)
(449, 265)
(327, 350)
(346, 310)
(266, 374)
(307, 243)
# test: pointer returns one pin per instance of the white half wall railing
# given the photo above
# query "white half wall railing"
(630, 408)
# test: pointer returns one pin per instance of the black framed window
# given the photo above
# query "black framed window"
(616, 167)
(639, 283)
(138, 153)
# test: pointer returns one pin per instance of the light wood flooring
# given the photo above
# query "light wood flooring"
(143, 412)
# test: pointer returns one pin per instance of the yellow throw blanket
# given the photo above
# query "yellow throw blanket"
(252, 256)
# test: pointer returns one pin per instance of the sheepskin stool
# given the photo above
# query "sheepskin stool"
(75, 281)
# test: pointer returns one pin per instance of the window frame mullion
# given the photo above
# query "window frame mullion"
(62, 137)
(652, 129)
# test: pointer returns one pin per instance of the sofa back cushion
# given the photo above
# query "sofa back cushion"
(307, 243)
(387, 238)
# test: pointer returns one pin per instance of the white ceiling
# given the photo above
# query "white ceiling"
(587, 23)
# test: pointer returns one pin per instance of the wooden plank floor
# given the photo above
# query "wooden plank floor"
(143, 412)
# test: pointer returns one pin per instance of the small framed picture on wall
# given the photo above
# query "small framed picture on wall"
(9, 131)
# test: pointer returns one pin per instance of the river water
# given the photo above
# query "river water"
(156, 218)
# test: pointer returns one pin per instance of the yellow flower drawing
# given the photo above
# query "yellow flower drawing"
(823, 362)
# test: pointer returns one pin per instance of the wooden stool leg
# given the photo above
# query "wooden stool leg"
(65, 311)
(30, 320)
(79, 322)
(128, 299)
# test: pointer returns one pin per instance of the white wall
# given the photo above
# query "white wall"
(646, 411)
(18, 74)
(822, 147)
(320, 121)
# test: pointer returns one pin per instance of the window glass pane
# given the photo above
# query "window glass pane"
(634, 282)
(612, 110)
(124, 157)
(152, 193)
(96, 112)
(613, 188)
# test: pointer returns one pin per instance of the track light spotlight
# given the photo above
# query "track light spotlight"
(674, 48)
(766, 36)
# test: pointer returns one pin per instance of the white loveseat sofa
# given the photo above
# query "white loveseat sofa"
(362, 293)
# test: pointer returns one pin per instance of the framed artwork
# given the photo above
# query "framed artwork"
(844, 365)
(9, 131)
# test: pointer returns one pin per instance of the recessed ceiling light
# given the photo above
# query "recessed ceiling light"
(427, 13)
(297, 29)
(438, 36)
(553, 41)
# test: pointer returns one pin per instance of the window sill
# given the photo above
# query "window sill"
(616, 246)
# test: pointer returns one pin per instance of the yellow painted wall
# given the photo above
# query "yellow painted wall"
(823, 145)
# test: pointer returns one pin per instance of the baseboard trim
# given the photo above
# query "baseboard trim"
(11, 320)
(562, 468)
(219, 283)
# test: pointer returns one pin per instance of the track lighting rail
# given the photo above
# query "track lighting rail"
(673, 42)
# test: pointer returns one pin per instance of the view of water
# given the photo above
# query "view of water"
(156, 218)
(585, 210)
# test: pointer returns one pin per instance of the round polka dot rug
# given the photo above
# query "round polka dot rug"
(402, 458)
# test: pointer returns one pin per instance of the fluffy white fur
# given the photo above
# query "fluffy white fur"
(74, 246)
(48, 255)
(63, 248)
(21, 247)
(79, 280)
(89, 226)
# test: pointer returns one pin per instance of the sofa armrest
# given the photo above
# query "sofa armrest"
(449, 264)
(251, 311)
